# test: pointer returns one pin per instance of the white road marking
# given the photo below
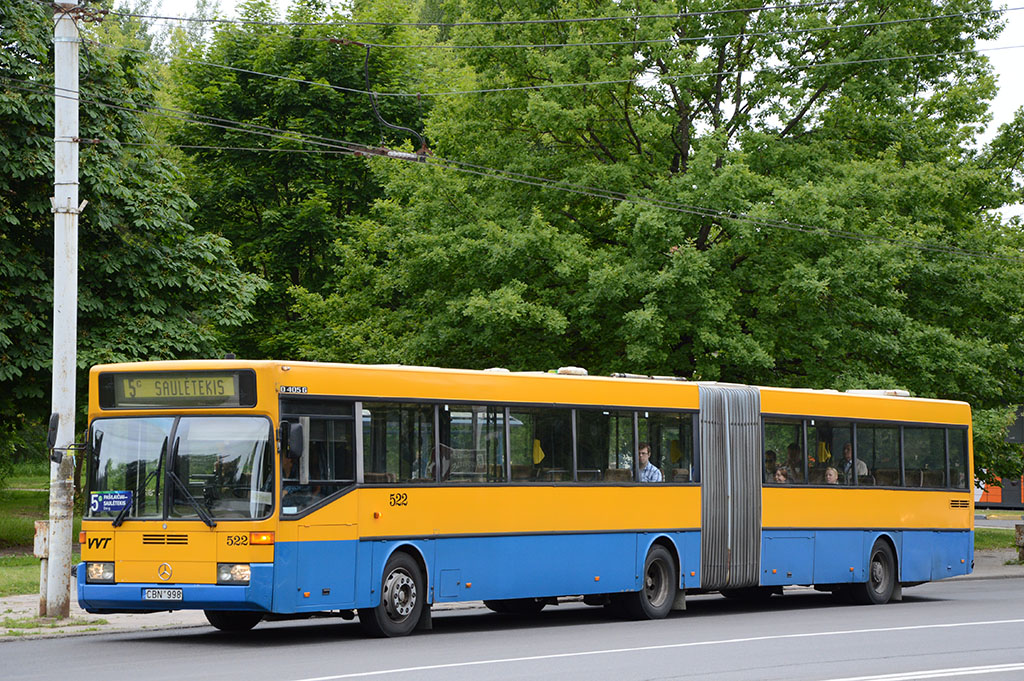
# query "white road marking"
(938, 673)
(693, 644)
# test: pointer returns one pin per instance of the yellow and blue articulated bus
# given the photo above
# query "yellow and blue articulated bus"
(263, 490)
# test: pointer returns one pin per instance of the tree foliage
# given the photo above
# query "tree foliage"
(280, 207)
(149, 285)
(809, 205)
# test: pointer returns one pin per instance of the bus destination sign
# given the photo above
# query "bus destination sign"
(140, 390)
(178, 387)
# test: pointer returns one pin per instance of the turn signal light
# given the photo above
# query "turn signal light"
(261, 538)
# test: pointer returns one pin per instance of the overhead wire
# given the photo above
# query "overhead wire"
(669, 40)
(499, 22)
(687, 39)
(548, 86)
(344, 147)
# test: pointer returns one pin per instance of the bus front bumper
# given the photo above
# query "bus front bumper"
(129, 597)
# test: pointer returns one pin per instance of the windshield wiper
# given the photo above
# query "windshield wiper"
(203, 514)
(123, 513)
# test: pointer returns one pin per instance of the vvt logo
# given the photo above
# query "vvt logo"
(97, 542)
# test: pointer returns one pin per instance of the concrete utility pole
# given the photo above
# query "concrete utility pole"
(65, 304)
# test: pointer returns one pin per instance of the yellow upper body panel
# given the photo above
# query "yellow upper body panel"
(430, 383)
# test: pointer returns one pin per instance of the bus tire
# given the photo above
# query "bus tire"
(233, 620)
(402, 596)
(517, 606)
(654, 600)
(878, 589)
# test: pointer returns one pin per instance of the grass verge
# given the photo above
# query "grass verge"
(19, 509)
(19, 574)
(992, 538)
(18, 512)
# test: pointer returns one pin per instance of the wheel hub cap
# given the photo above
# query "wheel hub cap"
(399, 595)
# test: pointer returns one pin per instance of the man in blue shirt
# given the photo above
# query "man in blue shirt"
(648, 471)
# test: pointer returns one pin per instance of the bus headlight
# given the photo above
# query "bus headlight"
(99, 573)
(233, 573)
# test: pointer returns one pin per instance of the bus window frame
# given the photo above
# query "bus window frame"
(166, 503)
(361, 401)
(901, 425)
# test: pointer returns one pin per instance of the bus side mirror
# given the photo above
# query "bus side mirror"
(51, 431)
(294, 440)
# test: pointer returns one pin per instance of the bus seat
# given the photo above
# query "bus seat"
(887, 477)
(377, 478)
(933, 478)
(522, 472)
(680, 475)
(618, 475)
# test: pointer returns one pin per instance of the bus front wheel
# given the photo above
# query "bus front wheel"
(227, 620)
(402, 597)
(655, 598)
(881, 577)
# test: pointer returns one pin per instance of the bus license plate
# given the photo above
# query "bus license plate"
(161, 594)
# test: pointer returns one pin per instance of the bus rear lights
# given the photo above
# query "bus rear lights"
(99, 573)
(261, 538)
(233, 573)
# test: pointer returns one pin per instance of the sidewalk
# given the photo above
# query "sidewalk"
(18, 613)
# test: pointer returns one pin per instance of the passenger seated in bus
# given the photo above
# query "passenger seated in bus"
(795, 462)
(648, 471)
(781, 475)
(862, 468)
(831, 476)
(770, 464)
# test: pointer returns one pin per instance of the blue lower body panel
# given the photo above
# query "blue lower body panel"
(841, 556)
(105, 598)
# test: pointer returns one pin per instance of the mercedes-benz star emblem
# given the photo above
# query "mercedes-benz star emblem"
(164, 571)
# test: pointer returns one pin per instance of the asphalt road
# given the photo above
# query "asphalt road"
(958, 629)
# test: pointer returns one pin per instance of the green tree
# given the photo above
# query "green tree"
(150, 286)
(827, 205)
(282, 208)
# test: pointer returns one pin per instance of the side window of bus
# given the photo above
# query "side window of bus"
(879, 448)
(669, 437)
(541, 448)
(604, 446)
(783, 451)
(398, 443)
(957, 457)
(472, 443)
(329, 461)
(830, 443)
(924, 457)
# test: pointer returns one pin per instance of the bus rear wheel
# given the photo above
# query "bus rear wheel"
(655, 598)
(402, 597)
(229, 620)
(881, 577)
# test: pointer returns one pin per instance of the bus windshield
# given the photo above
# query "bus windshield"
(186, 467)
